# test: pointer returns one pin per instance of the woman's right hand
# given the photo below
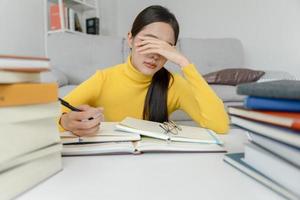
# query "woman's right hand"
(78, 122)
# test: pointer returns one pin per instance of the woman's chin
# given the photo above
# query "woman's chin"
(148, 71)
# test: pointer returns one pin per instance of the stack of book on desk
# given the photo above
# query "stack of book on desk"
(272, 118)
(30, 149)
(137, 136)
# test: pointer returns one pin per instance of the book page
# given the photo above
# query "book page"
(195, 134)
(107, 133)
(154, 130)
(142, 127)
(155, 145)
(98, 148)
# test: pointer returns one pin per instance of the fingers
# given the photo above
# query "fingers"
(87, 113)
(147, 47)
(86, 132)
(82, 123)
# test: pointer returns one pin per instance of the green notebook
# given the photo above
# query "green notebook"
(286, 89)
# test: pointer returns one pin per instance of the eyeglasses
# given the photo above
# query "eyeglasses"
(170, 127)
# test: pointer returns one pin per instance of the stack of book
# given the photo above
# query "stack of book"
(30, 147)
(135, 136)
(271, 115)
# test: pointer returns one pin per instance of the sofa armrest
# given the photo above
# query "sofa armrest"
(271, 75)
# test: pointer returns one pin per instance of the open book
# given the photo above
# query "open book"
(111, 140)
(143, 146)
(159, 131)
(107, 133)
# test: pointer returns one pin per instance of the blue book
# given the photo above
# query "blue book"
(236, 160)
(261, 103)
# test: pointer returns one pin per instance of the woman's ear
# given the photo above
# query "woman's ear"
(129, 40)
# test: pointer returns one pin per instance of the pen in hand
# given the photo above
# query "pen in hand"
(66, 104)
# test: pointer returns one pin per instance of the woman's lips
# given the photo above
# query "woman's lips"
(149, 65)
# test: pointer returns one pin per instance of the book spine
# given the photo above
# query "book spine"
(254, 89)
(261, 103)
(31, 93)
(71, 16)
(54, 17)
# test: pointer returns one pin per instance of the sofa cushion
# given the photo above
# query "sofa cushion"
(233, 76)
(80, 56)
(227, 93)
(213, 54)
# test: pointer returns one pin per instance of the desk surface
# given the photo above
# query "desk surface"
(153, 176)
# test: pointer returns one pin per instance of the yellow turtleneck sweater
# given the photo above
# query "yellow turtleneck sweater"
(121, 91)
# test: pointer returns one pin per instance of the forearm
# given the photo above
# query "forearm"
(207, 108)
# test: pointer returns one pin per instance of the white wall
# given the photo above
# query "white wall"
(268, 29)
(22, 29)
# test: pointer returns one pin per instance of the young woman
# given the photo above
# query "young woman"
(142, 87)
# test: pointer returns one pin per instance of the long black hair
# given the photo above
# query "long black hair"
(155, 106)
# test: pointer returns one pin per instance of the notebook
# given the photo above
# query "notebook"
(112, 139)
(107, 133)
(158, 131)
(145, 145)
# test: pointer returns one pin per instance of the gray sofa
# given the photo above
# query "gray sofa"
(76, 57)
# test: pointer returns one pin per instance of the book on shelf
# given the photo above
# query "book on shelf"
(27, 93)
(287, 152)
(236, 160)
(262, 103)
(286, 89)
(22, 177)
(24, 63)
(92, 25)
(78, 26)
(176, 133)
(286, 119)
(137, 147)
(54, 16)
(281, 134)
(284, 173)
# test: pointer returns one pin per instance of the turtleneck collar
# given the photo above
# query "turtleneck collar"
(134, 74)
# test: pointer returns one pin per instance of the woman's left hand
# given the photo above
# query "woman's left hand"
(150, 45)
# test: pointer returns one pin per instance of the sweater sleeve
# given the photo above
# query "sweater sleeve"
(198, 100)
(85, 93)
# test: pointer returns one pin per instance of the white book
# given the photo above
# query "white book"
(20, 62)
(236, 160)
(23, 137)
(143, 146)
(15, 114)
(107, 133)
(284, 135)
(155, 130)
(30, 156)
(19, 77)
(17, 180)
(287, 152)
(272, 166)
(156, 145)
(98, 148)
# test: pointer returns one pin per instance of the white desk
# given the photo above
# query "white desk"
(152, 176)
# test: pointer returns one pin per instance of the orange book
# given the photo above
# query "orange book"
(27, 93)
(285, 119)
(54, 17)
